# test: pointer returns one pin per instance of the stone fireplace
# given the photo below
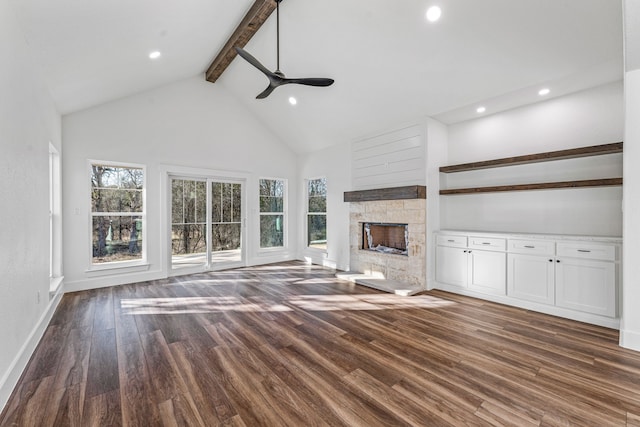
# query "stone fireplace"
(394, 223)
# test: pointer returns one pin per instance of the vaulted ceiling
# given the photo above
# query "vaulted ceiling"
(390, 64)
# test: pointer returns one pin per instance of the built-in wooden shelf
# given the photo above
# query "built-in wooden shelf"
(393, 193)
(539, 186)
(573, 153)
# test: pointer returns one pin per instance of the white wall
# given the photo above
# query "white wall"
(192, 124)
(389, 159)
(437, 140)
(333, 163)
(630, 324)
(28, 122)
(591, 117)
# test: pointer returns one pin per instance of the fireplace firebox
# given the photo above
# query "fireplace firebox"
(385, 238)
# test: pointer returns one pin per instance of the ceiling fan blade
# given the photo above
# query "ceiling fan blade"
(310, 81)
(266, 92)
(253, 61)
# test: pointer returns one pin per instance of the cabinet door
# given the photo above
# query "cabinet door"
(531, 277)
(451, 266)
(487, 272)
(586, 285)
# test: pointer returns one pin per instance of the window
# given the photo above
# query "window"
(317, 213)
(117, 213)
(55, 220)
(272, 204)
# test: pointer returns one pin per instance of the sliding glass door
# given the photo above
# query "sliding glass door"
(226, 223)
(188, 223)
(206, 224)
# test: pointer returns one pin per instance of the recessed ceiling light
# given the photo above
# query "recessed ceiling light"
(433, 13)
(292, 100)
(543, 92)
(155, 54)
(481, 110)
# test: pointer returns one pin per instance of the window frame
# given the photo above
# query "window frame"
(55, 220)
(112, 265)
(284, 213)
(307, 214)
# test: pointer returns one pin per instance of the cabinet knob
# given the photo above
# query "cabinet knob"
(469, 251)
(557, 260)
(550, 260)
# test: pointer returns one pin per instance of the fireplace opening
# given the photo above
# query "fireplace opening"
(385, 238)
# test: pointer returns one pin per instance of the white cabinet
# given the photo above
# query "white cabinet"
(560, 275)
(486, 271)
(531, 278)
(584, 283)
(531, 270)
(453, 241)
(479, 270)
(452, 265)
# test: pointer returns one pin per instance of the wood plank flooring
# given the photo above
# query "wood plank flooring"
(290, 345)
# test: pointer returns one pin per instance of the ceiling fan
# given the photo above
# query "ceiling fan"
(277, 77)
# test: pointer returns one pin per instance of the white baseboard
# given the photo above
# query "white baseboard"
(630, 339)
(109, 280)
(320, 258)
(12, 375)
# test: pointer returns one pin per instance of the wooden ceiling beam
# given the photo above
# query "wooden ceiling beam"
(250, 24)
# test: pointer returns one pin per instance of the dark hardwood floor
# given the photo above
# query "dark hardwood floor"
(290, 345)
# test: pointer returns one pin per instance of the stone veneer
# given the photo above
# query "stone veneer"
(410, 269)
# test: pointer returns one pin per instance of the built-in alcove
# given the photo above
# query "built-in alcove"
(386, 238)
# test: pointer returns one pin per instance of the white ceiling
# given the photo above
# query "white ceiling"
(390, 65)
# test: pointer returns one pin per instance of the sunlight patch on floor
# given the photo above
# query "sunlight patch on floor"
(366, 302)
(192, 305)
(360, 302)
(215, 282)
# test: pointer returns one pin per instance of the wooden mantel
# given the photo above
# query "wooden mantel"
(393, 193)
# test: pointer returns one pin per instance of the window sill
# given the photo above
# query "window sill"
(267, 251)
(311, 249)
(117, 268)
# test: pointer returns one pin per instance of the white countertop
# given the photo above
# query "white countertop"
(511, 235)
